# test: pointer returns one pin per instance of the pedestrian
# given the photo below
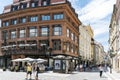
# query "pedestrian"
(81, 66)
(33, 69)
(16, 68)
(84, 67)
(36, 71)
(101, 70)
(77, 67)
(29, 70)
(110, 68)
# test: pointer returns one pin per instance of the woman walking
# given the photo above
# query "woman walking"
(29, 70)
(36, 71)
(101, 70)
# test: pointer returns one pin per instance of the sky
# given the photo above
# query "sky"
(97, 13)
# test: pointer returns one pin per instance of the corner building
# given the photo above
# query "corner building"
(31, 28)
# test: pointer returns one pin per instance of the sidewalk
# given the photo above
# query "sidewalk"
(114, 75)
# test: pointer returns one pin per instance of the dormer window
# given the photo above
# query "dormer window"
(34, 4)
(15, 7)
(45, 2)
(23, 5)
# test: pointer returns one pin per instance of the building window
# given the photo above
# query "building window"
(44, 31)
(45, 2)
(68, 47)
(13, 34)
(44, 44)
(15, 7)
(76, 50)
(72, 48)
(5, 35)
(68, 33)
(5, 23)
(32, 32)
(72, 36)
(58, 16)
(14, 22)
(56, 45)
(57, 30)
(23, 5)
(23, 20)
(33, 18)
(34, 4)
(76, 39)
(22, 33)
(45, 17)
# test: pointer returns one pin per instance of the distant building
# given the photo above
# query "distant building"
(85, 43)
(99, 53)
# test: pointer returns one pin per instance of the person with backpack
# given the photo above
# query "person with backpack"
(29, 70)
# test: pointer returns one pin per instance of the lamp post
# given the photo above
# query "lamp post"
(49, 50)
(4, 55)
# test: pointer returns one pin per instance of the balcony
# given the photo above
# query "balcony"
(40, 52)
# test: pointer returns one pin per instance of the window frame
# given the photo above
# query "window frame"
(34, 32)
(56, 44)
(46, 31)
(22, 33)
(45, 17)
(33, 18)
(58, 16)
(13, 34)
(57, 32)
(14, 21)
(6, 23)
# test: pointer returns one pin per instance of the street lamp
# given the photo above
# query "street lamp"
(4, 55)
(48, 52)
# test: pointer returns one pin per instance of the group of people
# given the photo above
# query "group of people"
(101, 68)
(32, 69)
(82, 67)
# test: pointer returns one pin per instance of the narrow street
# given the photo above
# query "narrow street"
(7, 75)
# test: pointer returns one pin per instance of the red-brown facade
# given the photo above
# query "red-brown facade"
(29, 28)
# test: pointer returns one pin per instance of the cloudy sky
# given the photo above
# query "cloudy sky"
(97, 13)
